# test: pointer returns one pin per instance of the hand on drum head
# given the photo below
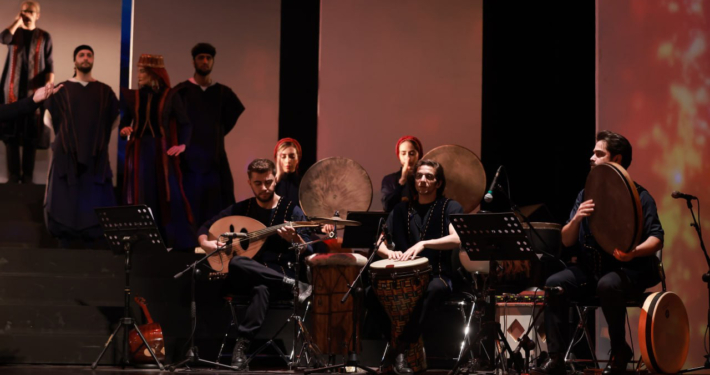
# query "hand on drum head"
(394, 255)
(624, 257)
(413, 251)
(585, 210)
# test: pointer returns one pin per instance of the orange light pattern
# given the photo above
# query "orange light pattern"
(653, 80)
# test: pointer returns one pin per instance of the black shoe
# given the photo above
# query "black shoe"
(13, 179)
(27, 179)
(401, 366)
(555, 365)
(239, 359)
(304, 290)
(619, 359)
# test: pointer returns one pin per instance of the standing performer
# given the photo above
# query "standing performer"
(213, 110)
(28, 66)
(269, 274)
(615, 278)
(396, 186)
(287, 156)
(422, 228)
(80, 177)
(158, 131)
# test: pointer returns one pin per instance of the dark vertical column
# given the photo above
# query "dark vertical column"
(125, 78)
(298, 95)
(538, 116)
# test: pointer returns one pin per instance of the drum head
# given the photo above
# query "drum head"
(335, 184)
(399, 264)
(465, 177)
(664, 334)
(617, 219)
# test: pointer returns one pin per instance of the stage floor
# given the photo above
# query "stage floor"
(110, 370)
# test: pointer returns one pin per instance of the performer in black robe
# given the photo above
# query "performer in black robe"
(269, 274)
(159, 131)
(213, 110)
(28, 66)
(287, 156)
(396, 186)
(80, 178)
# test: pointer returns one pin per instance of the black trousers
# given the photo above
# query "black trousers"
(613, 290)
(261, 283)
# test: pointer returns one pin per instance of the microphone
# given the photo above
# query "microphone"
(233, 235)
(679, 195)
(388, 238)
(489, 195)
(554, 290)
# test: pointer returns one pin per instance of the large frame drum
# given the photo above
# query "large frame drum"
(399, 285)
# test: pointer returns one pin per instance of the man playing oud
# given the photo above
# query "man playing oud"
(269, 271)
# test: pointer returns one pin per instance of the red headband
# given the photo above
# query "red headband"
(287, 140)
(415, 141)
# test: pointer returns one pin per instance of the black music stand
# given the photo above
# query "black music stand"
(125, 228)
(489, 237)
(371, 222)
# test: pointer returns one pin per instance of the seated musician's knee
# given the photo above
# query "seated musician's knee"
(610, 285)
(238, 263)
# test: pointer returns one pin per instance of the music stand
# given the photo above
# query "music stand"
(489, 237)
(360, 237)
(124, 228)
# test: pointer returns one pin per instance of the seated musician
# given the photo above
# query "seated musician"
(614, 278)
(396, 186)
(268, 275)
(421, 228)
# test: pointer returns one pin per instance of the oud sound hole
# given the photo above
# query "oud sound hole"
(244, 243)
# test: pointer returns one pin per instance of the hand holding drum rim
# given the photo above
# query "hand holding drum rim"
(624, 257)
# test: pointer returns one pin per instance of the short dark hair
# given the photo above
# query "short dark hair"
(203, 48)
(438, 173)
(261, 166)
(617, 144)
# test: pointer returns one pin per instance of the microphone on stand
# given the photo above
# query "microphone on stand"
(489, 195)
(679, 195)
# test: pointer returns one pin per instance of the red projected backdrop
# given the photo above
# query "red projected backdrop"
(653, 77)
(397, 67)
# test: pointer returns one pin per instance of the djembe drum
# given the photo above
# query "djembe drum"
(399, 285)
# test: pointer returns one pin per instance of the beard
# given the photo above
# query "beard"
(202, 72)
(267, 199)
(84, 69)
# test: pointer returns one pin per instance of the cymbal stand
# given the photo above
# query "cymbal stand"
(308, 349)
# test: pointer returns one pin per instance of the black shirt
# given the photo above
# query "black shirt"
(643, 265)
